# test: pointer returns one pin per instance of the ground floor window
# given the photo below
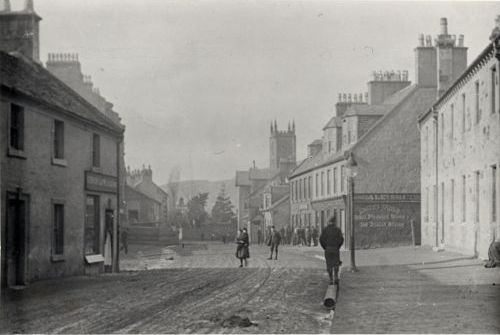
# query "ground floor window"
(92, 225)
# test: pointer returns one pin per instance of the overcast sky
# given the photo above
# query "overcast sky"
(198, 82)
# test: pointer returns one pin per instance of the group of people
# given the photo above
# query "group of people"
(297, 237)
(243, 244)
(331, 240)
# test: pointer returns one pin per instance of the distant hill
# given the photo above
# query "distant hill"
(189, 188)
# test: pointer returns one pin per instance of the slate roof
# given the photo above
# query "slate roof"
(242, 178)
(419, 96)
(262, 174)
(335, 122)
(367, 110)
(22, 75)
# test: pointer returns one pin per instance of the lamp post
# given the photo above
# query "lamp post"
(352, 170)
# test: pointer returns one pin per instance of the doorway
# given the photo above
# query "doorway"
(108, 240)
(16, 239)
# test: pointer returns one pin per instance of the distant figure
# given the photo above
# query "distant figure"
(181, 238)
(283, 235)
(202, 236)
(124, 240)
(212, 237)
(224, 238)
(259, 237)
(331, 240)
(314, 235)
(307, 233)
(273, 242)
(242, 248)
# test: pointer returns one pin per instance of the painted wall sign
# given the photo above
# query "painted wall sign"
(100, 183)
(386, 221)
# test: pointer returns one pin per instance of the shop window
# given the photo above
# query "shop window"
(92, 230)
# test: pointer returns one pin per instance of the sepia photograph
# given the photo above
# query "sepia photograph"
(249, 167)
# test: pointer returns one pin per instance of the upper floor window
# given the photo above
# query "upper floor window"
(322, 183)
(309, 186)
(452, 121)
(328, 182)
(16, 127)
(476, 104)
(316, 185)
(58, 139)
(493, 88)
(96, 150)
(463, 113)
(342, 178)
(334, 180)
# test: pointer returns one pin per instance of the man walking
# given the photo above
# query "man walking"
(273, 242)
(331, 240)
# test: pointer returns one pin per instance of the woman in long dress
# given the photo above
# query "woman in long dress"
(242, 250)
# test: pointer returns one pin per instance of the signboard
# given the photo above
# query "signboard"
(384, 220)
(100, 183)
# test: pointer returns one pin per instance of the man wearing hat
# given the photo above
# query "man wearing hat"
(331, 240)
(273, 241)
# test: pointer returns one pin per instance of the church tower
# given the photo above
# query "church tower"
(282, 147)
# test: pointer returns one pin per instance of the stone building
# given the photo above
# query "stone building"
(60, 166)
(460, 155)
(252, 184)
(381, 138)
(146, 202)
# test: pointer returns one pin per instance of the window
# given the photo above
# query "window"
(309, 186)
(452, 201)
(342, 178)
(16, 127)
(442, 203)
(58, 238)
(96, 150)
(329, 146)
(426, 217)
(58, 139)
(334, 180)
(322, 183)
(300, 189)
(441, 142)
(463, 113)
(464, 198)
(316, 185)
(92, 225)
(292, 188)
(328, 182)
(493, 89)
(426, 144)
(476, 105)
(494, 193)
(452, 122)
(477, 197)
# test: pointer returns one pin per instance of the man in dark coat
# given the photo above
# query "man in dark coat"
(314, 236)
(331, 240)
(273, 241)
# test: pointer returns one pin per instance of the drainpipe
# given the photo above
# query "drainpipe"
(116, 247)
(436, 195)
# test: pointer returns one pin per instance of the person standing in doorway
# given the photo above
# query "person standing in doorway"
(331, 240)
(273, 242)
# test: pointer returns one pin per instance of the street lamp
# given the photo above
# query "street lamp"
(352, 171)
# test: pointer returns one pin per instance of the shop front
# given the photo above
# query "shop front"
(101, 226)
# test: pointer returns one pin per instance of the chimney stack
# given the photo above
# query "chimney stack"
(21, 32)
(444, 26)
(6, 6)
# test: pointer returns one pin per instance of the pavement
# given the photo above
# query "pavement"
(201, 289)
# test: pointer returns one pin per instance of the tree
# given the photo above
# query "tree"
(222, 211)
(196, 209)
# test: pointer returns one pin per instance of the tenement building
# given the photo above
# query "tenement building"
(255, 184)
(460, 156)
(370, 153)
(60, 160)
